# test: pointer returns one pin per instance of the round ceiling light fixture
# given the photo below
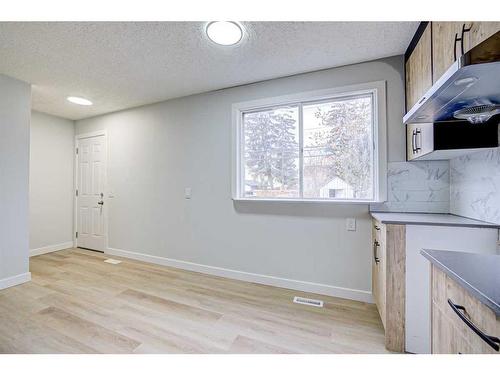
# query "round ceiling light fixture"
(78, 100)
(226, 33)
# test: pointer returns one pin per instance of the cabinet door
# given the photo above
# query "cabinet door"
(376, 288)
(418, 69)
(378, 268)
(479, 31)
(449, 333)
(444, 48)
(419, 140)
(445, 338)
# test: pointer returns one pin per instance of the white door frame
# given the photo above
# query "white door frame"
(75, 183)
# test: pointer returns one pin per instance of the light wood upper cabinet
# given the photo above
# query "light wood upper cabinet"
(419, 69)
(444, 47)
(436, 50)
(479, 31)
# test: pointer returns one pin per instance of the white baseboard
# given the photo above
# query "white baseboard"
(304, 286)
(15, 280)
(51, 248)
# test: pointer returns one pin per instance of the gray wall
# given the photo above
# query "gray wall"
(156, 151)
(15, 107)
(51, 181)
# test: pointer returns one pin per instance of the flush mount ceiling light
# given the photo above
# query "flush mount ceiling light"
(226, 33)
(77, 100)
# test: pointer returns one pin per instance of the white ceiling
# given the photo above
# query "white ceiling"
(120, 65)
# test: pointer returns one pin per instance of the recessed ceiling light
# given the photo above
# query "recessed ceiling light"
(77, 100)
(225, 33)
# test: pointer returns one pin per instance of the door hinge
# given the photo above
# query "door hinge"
(77, 192)
(76, 235)
(77, 150)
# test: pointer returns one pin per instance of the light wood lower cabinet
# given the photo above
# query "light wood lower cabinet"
(378, 268)
(450, 334)
(388, 281)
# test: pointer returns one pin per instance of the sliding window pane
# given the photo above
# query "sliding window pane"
(338, 151)
(271, 152)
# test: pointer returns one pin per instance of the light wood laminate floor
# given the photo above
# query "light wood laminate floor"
(76, 303)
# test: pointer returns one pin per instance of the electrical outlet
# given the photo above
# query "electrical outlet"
(187, 193)
(351, 224)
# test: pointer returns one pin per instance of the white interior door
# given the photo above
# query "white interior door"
(91, 180)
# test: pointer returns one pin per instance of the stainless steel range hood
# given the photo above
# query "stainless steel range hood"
(472, 80)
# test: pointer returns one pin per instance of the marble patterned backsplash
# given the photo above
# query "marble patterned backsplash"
(419, 186)
(475, 186)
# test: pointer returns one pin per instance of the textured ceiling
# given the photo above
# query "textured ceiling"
(120, 65)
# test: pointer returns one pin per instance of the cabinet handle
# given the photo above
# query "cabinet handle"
(461, 39)
(375, 257)
(417, 134)
(414, 141)
(464, 30)
(490, 340)
(455, 47)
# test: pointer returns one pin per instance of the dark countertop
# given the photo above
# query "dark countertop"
(448, 220)
(477, 273)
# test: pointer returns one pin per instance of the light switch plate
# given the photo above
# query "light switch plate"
(350, 224)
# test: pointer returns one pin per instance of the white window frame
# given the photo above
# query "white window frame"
(379, 123)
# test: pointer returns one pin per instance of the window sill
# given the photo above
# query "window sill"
(298, 200)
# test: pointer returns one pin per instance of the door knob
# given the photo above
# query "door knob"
(100, 202)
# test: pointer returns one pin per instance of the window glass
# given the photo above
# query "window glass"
(338, 152)
(310, 150)
(271, 153)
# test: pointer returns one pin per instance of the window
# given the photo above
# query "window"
(326, 145)
(271, 153)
